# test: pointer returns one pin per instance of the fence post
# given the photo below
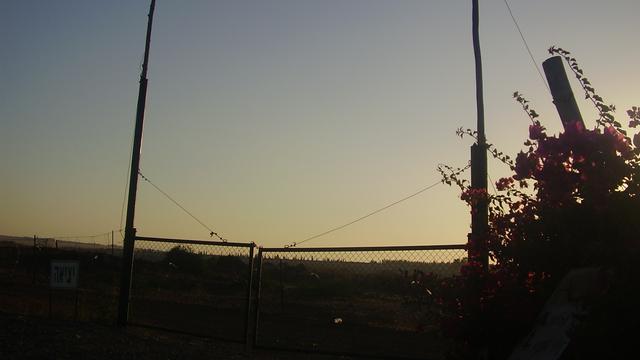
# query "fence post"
(125, 276)
(281, 287)
(247, 318)
(256, 310)
(33, 261)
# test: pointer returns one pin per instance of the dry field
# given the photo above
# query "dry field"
(28, 337)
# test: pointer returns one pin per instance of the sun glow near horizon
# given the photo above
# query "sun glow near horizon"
(276, 121)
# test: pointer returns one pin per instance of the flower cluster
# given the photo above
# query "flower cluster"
(571, 201)
(474, 196)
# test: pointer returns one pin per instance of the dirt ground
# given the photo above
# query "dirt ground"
(25, 337)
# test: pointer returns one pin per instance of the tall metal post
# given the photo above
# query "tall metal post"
(256, 310)
(247, 319)
(33, 260)
(480, 209)
(130, 231)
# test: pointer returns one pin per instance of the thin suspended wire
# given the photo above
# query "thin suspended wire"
(493, 185)
(79, 236)
(365, 216)
(211, 231)
(526, 45)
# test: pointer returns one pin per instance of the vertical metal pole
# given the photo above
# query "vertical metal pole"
(247, 318)
(256, 310)
(281, 287)
(77, 291)
(50, 299)
(478, 64)
(479, 211)
(33, 260)
(477, 244)
(112, 247)
(130, 232)
(75, 308)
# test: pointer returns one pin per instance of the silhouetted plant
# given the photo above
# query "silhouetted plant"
(572, 201)
(228, 264)
(184, 259)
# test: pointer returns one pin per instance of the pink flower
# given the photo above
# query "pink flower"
(574, 127)
(620, 143)
(473, 196)
(504, 183)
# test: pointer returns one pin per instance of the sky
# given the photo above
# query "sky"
(273, 121)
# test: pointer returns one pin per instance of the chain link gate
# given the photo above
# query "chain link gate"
(194, 287)
(372, 301)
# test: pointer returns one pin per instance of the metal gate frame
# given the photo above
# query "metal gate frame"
(256, 314)
(249, 292)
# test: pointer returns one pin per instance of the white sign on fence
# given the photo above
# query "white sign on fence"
(64, 274)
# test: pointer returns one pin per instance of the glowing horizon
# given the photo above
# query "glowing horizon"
(276, 121)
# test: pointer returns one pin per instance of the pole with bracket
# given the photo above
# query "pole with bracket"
(477, 239)
(130, 231)
(480, 209)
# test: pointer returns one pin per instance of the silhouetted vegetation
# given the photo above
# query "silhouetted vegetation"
(571, 202)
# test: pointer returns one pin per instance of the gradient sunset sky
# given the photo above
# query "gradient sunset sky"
(274, 120)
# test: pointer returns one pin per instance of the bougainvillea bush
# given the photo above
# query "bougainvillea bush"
(573, 200)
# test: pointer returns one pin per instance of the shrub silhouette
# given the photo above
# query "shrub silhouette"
(571, 202)
(184, 259)
(227, 264)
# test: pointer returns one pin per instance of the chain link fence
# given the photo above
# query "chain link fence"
(196, 287)
(25, 265)
(373, 301)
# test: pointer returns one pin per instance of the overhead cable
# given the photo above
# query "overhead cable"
(535, 64)
(212, 233)
(365, 216)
